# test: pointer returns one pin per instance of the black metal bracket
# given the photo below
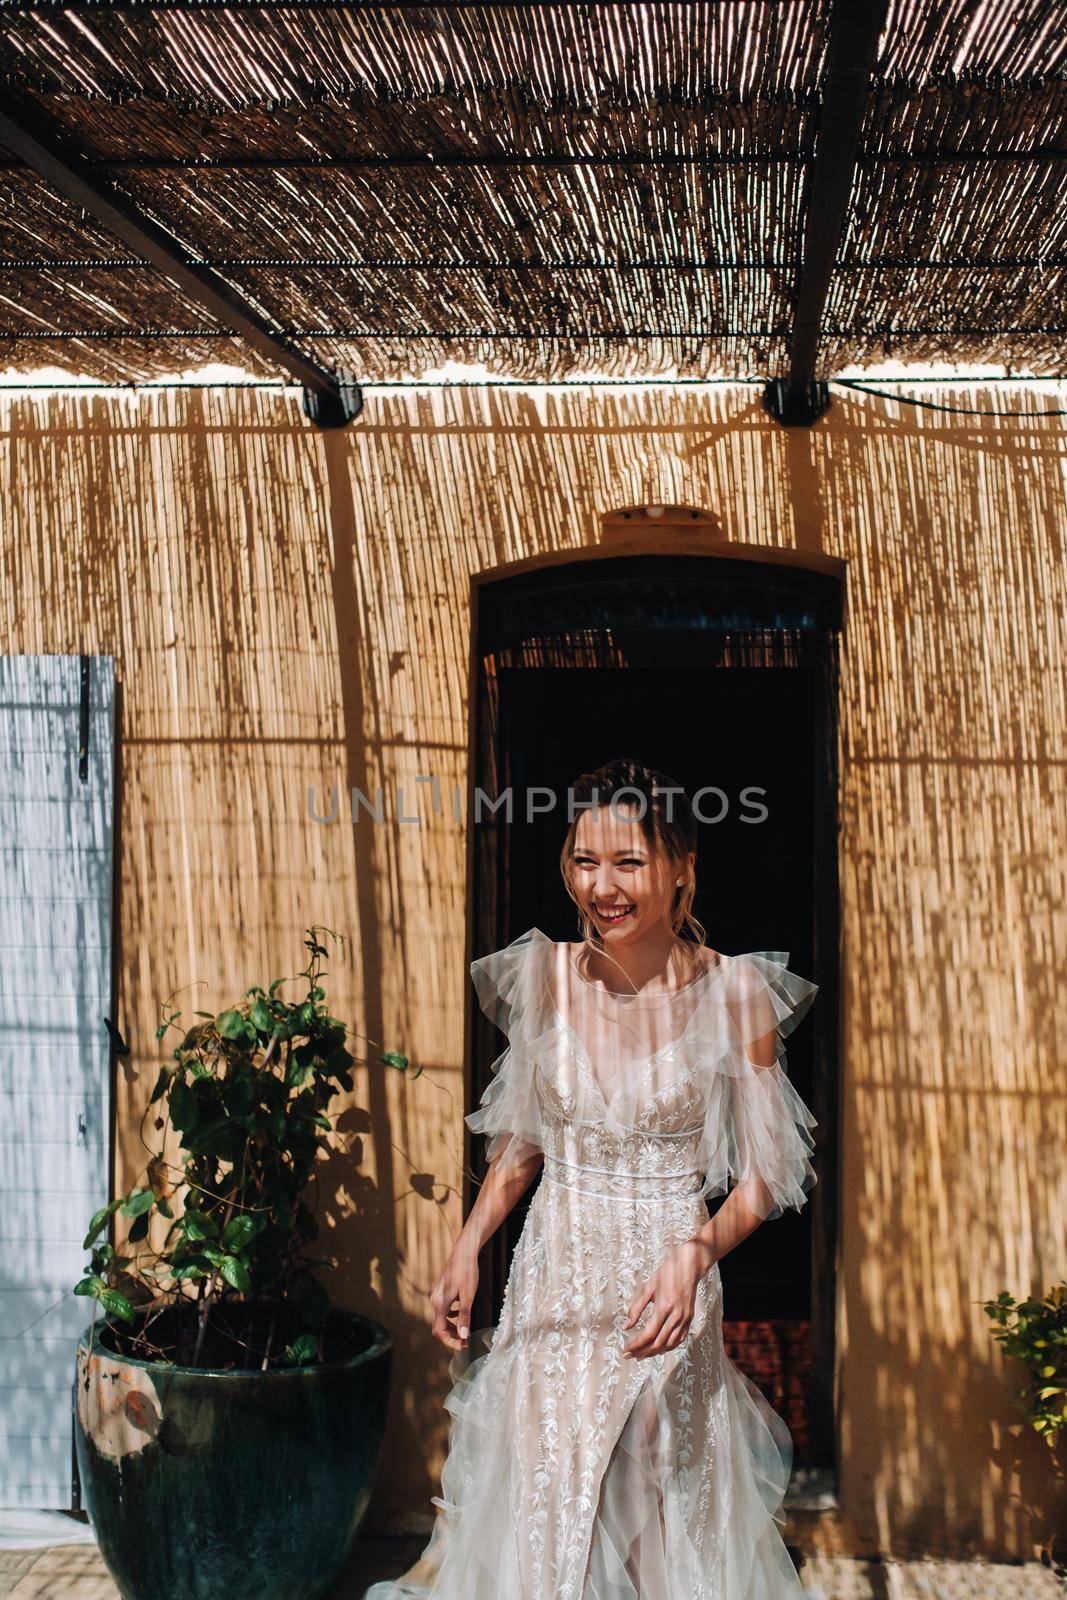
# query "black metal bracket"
(796, 410)
(336, 406)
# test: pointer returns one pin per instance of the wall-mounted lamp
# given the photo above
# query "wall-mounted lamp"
(632, 519)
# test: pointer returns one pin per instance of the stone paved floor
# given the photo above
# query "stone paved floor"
(76, 1572)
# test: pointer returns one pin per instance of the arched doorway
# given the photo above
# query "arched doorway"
(722, 671)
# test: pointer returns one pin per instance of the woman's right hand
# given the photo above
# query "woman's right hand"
(452, 1297)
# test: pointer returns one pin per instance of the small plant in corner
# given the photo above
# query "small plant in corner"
(246, 1098)
(1035, 1333)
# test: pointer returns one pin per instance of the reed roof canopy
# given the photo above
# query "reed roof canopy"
(777, 189)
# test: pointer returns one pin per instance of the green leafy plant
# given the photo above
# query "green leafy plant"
(247, 1093)
(1035, 1332)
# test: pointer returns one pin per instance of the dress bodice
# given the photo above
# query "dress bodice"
(658, 1155)
(649, 1094)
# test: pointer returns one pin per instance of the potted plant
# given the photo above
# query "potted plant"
(228, 1419)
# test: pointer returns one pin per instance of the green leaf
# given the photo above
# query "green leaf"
(91, 1286)
(230, 1025)
(297, 1074)
(98, 1221)
(240, 1230)
(321, 1121)
(260, 1017)
(116, 1304)
(304, 1349)
(195, 1225)
(236, 1273)
(190, 1269)
(393, 1058)
(137, 1203)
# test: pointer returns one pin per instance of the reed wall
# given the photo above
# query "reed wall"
(289, 610)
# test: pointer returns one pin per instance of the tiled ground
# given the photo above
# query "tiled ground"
(77, 1573)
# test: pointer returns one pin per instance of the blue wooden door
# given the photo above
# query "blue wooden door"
(57, 749)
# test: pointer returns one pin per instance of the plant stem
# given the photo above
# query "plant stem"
(270, 1338)
(203, 1306)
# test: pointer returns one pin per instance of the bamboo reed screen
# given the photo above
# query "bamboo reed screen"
(548, 190)
(288, 611)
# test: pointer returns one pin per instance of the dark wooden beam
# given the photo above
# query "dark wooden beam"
(626, 264)
(855, 29)
(446, 160)
(493, 160)
(328, 400)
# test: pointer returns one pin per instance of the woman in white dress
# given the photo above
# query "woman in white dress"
(602, 1444)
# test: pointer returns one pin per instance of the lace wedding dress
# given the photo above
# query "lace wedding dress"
(575, 1473)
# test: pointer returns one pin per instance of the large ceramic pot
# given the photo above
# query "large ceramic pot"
(230, 1485)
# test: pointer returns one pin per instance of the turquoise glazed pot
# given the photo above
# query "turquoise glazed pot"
(230, 1485)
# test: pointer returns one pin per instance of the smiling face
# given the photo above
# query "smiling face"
(625, 888)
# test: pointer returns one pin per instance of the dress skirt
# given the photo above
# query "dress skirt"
(577, 1473)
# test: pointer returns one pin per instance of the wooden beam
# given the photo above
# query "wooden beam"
(328, 400)
(855, 29)
(493, 160)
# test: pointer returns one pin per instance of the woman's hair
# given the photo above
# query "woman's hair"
(670, 832)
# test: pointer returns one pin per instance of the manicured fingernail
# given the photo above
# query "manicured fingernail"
(464, 1332)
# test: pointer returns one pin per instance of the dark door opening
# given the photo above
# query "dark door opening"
(721, 673)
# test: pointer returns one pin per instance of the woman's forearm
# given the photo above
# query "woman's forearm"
(734, 1221)
(498, 1195)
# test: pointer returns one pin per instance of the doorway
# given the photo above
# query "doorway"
(722, 673)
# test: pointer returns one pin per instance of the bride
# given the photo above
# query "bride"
(602, 1445)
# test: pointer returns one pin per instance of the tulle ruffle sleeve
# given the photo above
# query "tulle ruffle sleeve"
(715, 1096)
(510, 988)
(756, 1128)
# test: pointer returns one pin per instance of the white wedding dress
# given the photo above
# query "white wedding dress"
(574, 1473)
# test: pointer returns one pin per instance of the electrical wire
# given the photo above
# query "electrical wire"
(959, 411)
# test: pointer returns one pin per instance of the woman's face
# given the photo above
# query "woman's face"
(622, 886)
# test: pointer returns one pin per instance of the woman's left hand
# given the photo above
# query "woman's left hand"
(673, 1289)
